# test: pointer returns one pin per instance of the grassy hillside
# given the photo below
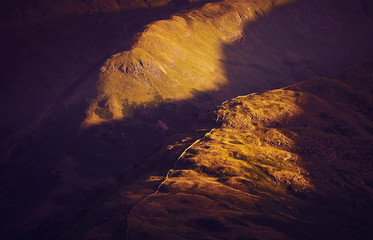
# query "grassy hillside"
(229, 48)
(50, 47)
(155, 96)
(288, 163)
(173, 60)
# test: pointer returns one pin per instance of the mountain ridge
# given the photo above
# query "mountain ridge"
(237, 166)
(63, 180)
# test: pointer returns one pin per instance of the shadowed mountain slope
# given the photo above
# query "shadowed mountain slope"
(209, 53)
(173, 60)
(60, 179)
(50, 47)
(292, 163)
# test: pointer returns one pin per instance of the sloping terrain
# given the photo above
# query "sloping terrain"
(173, 60)
(94, 114)
(291, 163)
(50, 47)
(206, 54)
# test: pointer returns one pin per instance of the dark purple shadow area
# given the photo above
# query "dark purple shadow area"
(43, 66)
(58, 177)
(298, 41)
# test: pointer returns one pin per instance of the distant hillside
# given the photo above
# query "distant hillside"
(49, 47)
(99, 98)
(229, 47)
(291, 163)
(173, 60)
(30, 12)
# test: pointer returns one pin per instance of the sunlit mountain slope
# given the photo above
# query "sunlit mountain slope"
(145, 76)
(291, 163)
(173, 60)
(208, 53)
(50, 47)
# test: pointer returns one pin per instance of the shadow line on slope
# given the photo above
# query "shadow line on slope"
(150, 127)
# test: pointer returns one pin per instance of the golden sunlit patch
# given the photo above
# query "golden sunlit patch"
(272, 161)
(173, 59)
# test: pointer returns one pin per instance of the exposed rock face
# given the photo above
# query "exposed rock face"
(291, 163)
(98, 101)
